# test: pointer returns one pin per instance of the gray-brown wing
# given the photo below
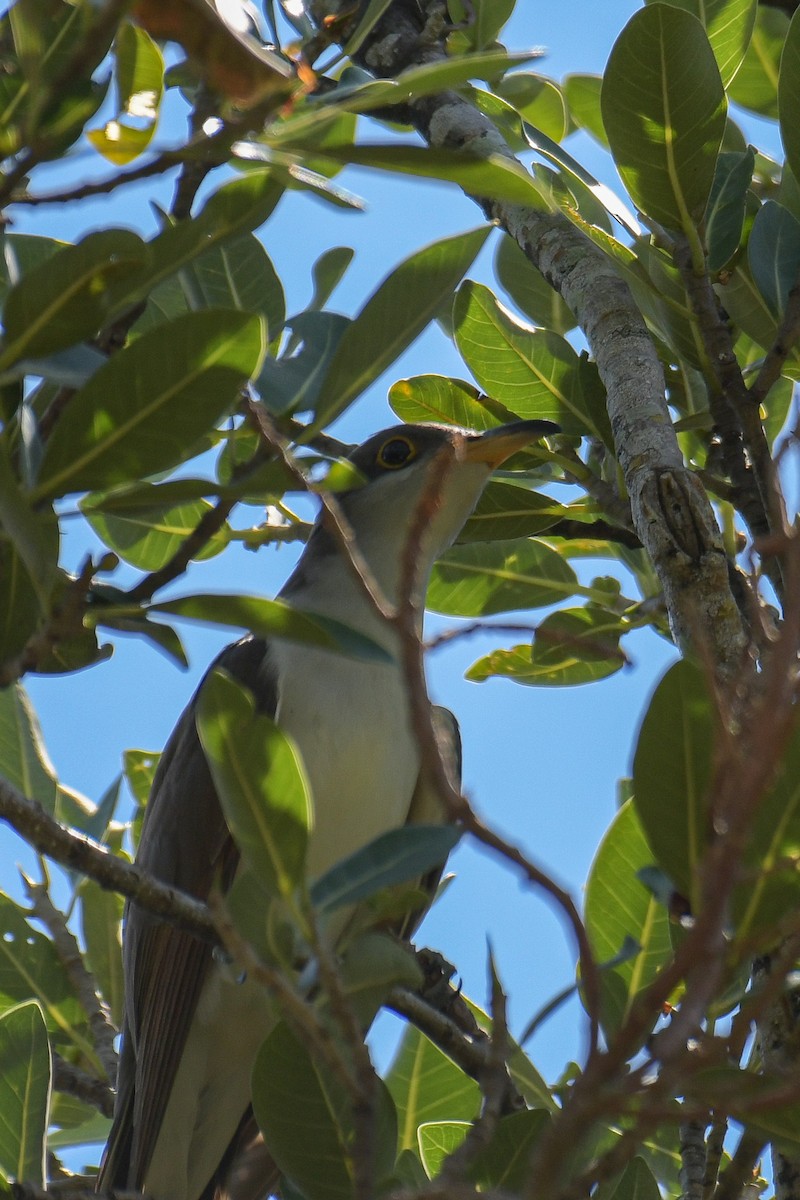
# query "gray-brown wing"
(185, 842)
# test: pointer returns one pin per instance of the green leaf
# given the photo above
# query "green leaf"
(139, 77)
(101, 920)
(480, 579)
(275, 618)
(771, 887)
(237, 207)
(305, 1115)
(145, 410)
(773, 251)
(327, 272)
(582, 93)
(427, 1086)
(450, 401)
(492, 176)
(33, 536)
(394, 315)
(756, 84)
(140, 767)
(620, 908)
(24, 1093)
(663, 108)
(238, 274)
(437, 1140)
(24, 761)
(67, 298)
(261, 782)
(538, 99)
(748, 309)
(529, 289)
(372, 964)
(506, 511)
(572, 646)
(725, 213)
(294, 381)
(505, 1163)
(30, 969)
(392, 858)
(729, 25)
(671, 772)
(637, 1183)
(533, 372)
(789, 96)
(147, 538)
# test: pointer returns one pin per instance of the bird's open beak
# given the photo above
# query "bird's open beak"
(496, 445)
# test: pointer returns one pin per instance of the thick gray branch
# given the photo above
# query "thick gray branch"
(671, 512)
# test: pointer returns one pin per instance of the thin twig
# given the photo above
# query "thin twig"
(30, 820)
(74, 1082)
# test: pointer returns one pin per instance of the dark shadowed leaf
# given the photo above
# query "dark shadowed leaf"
(773, 251)
(725, 213)
(24, 760)
(505, 511)
(529, 289)
(145, 410)
(306, 1117)
(671, 771)
(294, 381)
(394, 857)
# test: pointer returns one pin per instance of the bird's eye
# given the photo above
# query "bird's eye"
(396, 452)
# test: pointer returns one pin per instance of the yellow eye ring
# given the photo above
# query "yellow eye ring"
(396, 452)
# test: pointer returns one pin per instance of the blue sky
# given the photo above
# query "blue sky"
(540, 764)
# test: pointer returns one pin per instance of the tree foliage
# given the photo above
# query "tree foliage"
(161, 381)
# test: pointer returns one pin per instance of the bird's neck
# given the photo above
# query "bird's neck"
(325, 582)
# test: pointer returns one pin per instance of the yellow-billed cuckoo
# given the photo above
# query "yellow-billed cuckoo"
(191, 1030)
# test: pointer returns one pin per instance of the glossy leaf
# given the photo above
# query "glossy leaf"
(538, 99)
(306, 1118)
(620, 908)
(529, 289)
(773, 251)
(24, 1093)
(505, 1163)
(771, 887)
(573, 646)
(67, 297)
(260, 780)
(664, 112)
(238, 274)
(145, 410)
(139, 78)
(671, 772)
(437, 1141)
(146, 537)
(449, 401)
(725, 213)
(24, 760)
(755, 85)
(395, 857)
(505, 511)
(583, 97)
(427, 1086)
(749, 310)
(394, 315)
(789, 96)
(101, 921)
(493, 175)
(533, 372)
(274, 618)
(480, 579)
(729, 25)
(30, 969)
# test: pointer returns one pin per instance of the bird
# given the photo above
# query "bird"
(191, 1028)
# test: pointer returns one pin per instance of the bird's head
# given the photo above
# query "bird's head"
(419, 485)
